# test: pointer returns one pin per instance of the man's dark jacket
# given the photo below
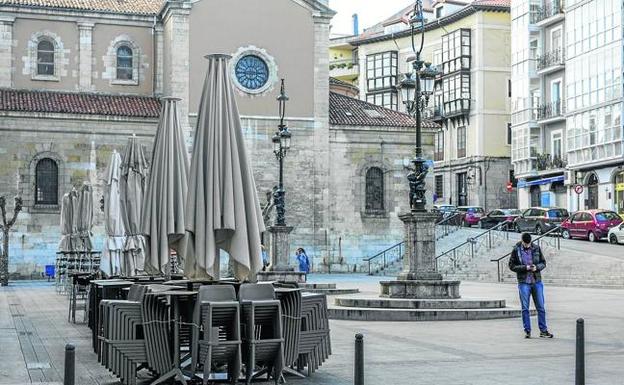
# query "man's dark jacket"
(516, 264)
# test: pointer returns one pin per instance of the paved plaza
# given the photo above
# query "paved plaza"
(34, 330)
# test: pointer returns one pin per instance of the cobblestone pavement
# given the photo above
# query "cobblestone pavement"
(34, 329)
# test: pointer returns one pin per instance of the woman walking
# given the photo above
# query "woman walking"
(302, 259)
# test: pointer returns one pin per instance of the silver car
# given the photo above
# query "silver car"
(616, 234)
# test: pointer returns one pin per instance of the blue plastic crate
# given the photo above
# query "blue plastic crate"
(49, 270)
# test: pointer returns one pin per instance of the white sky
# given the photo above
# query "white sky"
(369, 12)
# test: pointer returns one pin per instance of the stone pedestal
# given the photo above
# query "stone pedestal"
(280, 269)
(419, 278)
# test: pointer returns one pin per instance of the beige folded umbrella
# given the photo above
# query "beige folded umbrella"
(162, 216)
(132, 183)
(85, 217)
(223, 211)
(113, 222)
(65, 245)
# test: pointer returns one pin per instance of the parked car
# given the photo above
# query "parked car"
(444, 211)
(590, 224)
(470, 215)
(540, 219)
(494, 217)
(616, 234)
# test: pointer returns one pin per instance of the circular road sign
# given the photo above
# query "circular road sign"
(578, 189)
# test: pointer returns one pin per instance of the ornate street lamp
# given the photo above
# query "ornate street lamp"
(416, 87)
(281, 145)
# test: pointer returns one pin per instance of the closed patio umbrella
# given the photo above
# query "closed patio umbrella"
(113, 222)
(223, 211)
(84, 219)
(165, 194)
(134, 169)
(65, 245)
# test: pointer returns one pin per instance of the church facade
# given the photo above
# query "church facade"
(78, 78)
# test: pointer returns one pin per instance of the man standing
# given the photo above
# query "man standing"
(527, 261)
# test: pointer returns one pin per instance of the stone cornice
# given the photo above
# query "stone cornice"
(40, 13)
(76, 117)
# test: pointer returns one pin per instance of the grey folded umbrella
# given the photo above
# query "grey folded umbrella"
(163, 207)
(113, 222)
(132, 183)
(223, 211)
(85, 217)
(65, 245)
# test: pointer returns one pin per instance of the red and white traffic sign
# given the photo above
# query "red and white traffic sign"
(509, 186)
(578, 189)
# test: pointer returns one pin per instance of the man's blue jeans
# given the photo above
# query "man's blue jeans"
(535, 290)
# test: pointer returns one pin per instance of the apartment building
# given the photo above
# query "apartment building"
(567, 103)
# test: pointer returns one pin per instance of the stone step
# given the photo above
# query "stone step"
(312, 285)
(400, 303)
(332, 291)
(375, 314)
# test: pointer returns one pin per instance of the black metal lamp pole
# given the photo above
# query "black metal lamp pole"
(281, 145)
(416, 87)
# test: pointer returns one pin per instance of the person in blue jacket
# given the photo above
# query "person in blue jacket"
(302, 259)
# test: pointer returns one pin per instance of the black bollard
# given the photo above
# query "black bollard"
(359, 360)
(70, 365)
(580, 352)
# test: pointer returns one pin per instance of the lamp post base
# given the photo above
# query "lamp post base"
(282, 276)
(280, 269)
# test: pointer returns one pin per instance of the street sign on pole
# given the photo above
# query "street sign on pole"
(578, 189)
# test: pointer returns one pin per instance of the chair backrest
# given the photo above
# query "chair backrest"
(256, 292)
(216, 293)
(136, 292)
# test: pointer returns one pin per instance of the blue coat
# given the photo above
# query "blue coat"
(304, 263)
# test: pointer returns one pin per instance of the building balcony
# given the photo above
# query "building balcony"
(550, 112)
(546, 162)
(434, 113)
(549, 13)
(344, 69)
(550, 62)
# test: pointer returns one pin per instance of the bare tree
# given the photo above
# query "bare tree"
(5, 227)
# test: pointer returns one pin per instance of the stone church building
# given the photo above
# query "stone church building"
(77, 77)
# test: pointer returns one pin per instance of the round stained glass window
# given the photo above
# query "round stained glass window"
(252, 72)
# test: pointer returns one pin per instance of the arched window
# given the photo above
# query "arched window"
(592, 192)
(124, 63)
(374, 190)
(46, 182)
(45, 58)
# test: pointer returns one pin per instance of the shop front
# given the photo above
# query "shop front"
(619, 192)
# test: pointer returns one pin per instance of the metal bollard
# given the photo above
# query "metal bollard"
(70, 365)
(580, 352)
(359, 360)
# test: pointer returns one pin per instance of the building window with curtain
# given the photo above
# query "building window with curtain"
(45, 58)
(125, 63)
(374, 191)
(438, 153)
(461, 142)
(46, 182)
(439, 187)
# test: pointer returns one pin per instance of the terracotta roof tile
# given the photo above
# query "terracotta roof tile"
(347, 111)
(79, 103)
(137, 7)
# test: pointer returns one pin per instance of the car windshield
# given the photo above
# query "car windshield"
(475, 210)
(557, 213)
(512, 212)
(607, 216)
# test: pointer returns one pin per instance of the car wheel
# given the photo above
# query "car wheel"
(538, 230)
(565, 234)
(464, 224)
(613, 239)
(591, 237)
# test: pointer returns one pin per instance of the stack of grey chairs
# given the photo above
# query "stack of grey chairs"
(122, 345)
(263, 344)
(290, 299)
(216, 339)
(314, 341)
(156, 328)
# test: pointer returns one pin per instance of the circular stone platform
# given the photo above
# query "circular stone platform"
(326, 288)
(395, 309)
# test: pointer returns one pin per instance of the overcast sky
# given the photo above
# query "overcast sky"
(369, 12)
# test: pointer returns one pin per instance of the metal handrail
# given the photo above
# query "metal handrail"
(473, 240)
(551, 231)
(443, 220)
(383, 255)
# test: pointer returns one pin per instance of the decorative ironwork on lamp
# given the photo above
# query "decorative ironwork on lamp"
(281, 145)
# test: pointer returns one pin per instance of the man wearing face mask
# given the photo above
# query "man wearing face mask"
(527, 261)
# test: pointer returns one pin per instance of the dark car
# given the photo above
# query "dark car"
(494, 217)
(540, 219)
(444, 211)
(470, 215)
(590, 224)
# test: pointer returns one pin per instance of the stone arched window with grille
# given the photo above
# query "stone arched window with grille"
(46, 182)
(374, 191)
(45, 58)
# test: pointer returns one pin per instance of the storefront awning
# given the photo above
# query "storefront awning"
(524, 183)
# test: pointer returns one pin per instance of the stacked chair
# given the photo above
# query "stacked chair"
(78, 294)
(218, 340)
(314, 341)
(263, 344)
